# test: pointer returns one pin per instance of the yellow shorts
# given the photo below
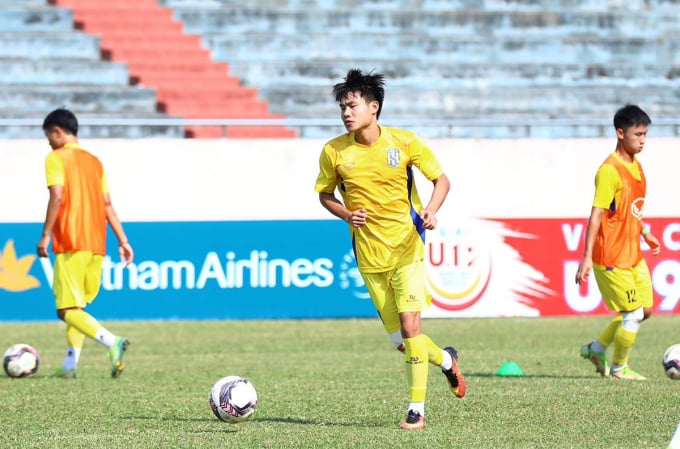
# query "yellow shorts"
(396, 291)
(625, 289)
(77, 278)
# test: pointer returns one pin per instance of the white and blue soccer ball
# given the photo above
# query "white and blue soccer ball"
(21, 360)
(671, 362)
(233, 399)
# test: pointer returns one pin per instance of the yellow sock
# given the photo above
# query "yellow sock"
(606, 337)
(434, 353)
(83, 321)
(74, 338)
(416, 356)
(623, 343)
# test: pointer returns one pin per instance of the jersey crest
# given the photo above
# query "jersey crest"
(393, 157)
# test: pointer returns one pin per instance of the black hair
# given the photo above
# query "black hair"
(371, 86)
(64, 119)
(630, 115)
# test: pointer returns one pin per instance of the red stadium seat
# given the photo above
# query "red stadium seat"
(159, 55)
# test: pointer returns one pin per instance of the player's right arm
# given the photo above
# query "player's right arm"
(125, 250)
(607, 183)
(55, 177)
(356, 218)
(586, 265)
(326, 182)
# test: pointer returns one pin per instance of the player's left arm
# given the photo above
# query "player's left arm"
(423, 158)
(650, 239)
(125, 250)
(442, 185)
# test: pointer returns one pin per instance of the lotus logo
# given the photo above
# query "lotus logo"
(350, 277)
(14, 273)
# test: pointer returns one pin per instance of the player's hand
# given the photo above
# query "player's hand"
(584, 270)
(357, 218)
(653, 243)
(43, 243)
(126, 253)
(429, 219)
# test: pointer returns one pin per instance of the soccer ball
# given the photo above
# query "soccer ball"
(21, 360)
(671, 362)
(233, 399)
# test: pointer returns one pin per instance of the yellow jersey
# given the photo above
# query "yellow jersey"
(380, 179)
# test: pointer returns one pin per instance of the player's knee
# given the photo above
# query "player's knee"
(631, 320)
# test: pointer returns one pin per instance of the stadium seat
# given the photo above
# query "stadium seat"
(159, 55)
(507, 60)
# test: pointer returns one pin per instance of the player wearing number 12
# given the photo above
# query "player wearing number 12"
(78, 210)
(372, 168)
(613, 249)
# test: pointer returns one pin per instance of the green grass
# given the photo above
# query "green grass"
(339, 384)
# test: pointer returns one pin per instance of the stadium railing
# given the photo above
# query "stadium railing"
(442, 128)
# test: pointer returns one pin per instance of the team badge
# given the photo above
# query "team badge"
(393, 157)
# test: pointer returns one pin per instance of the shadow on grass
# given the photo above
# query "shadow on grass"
(271, 420)
(170, 419)
(222, 429)
(321, 423)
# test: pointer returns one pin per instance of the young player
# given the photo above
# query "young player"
(78, 210)
(612, 246)
(372, 168)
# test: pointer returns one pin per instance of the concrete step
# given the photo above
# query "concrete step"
(46, 44)
(284, 20)
(208, 84)
(110, 26)
(17, 17)
(438, 102)
(106, 127)
(17, 99)
(451, 49)
(133, 15)
(167, 42)
(195, 108)
(23, 3)
(62, 71)
(180, 68)
(404, 72)
(165, 56)
(205, 94)
(437, 5)
(107, 5)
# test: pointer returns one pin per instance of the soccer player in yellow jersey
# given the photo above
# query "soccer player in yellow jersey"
(78, 210)
(613, 249)
(372, 168)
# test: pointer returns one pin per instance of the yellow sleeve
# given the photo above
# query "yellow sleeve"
(327, 179)
(54, 170)
(423, 158)
(607, 184)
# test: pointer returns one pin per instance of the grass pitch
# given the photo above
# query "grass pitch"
(339, 384)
